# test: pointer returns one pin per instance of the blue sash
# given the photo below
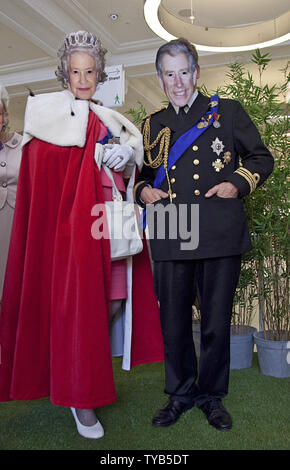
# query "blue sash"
(183, 142)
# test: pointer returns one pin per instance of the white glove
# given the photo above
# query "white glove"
(118, 156)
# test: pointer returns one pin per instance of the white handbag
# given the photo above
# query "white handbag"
(125, 239)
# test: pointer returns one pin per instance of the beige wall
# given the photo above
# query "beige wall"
(213, 77)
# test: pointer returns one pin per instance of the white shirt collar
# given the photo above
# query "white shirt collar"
(189, 104)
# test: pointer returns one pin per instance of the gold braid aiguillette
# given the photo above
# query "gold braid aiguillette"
(163, 138)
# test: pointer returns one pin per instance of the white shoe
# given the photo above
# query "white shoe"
(91, 432)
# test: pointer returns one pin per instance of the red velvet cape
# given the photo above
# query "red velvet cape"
(54, 332)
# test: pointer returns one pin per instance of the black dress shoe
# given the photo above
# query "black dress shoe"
(170, 413)
(217, 415)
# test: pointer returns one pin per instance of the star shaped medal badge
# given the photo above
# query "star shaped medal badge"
(217, 146)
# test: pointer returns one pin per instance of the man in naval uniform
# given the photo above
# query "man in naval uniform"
(206, 153)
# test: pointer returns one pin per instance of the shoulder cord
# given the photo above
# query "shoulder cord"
(164, 138)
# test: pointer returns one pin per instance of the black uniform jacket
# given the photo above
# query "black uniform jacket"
(218, 228)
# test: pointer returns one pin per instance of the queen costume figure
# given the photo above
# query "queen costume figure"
(62, 294)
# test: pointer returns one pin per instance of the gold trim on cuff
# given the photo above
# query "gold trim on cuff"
(252, 179)
(136, 187)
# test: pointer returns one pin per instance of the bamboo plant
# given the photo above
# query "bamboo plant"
(268, 207)
(245, 299)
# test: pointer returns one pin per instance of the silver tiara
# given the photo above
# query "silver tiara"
(79, 39)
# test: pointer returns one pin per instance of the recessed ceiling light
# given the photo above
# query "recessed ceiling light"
(114, 16)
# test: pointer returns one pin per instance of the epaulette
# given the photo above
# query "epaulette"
(154, 112)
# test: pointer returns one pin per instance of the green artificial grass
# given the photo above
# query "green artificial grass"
(259, 405)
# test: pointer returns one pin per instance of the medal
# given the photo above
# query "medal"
(216, 123)
(227, 157)
(217, 146)
(218, 165)
(202, 123)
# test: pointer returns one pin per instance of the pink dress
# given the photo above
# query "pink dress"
(118, 268)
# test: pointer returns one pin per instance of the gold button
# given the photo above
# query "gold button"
(195, 148)
(196, 161)
(173, 195)
(173, 167)
(197, 192)
(172, 180)
(196, 176)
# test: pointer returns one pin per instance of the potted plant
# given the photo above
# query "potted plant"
(268, 213)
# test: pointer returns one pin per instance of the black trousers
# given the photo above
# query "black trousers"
(177, 283)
